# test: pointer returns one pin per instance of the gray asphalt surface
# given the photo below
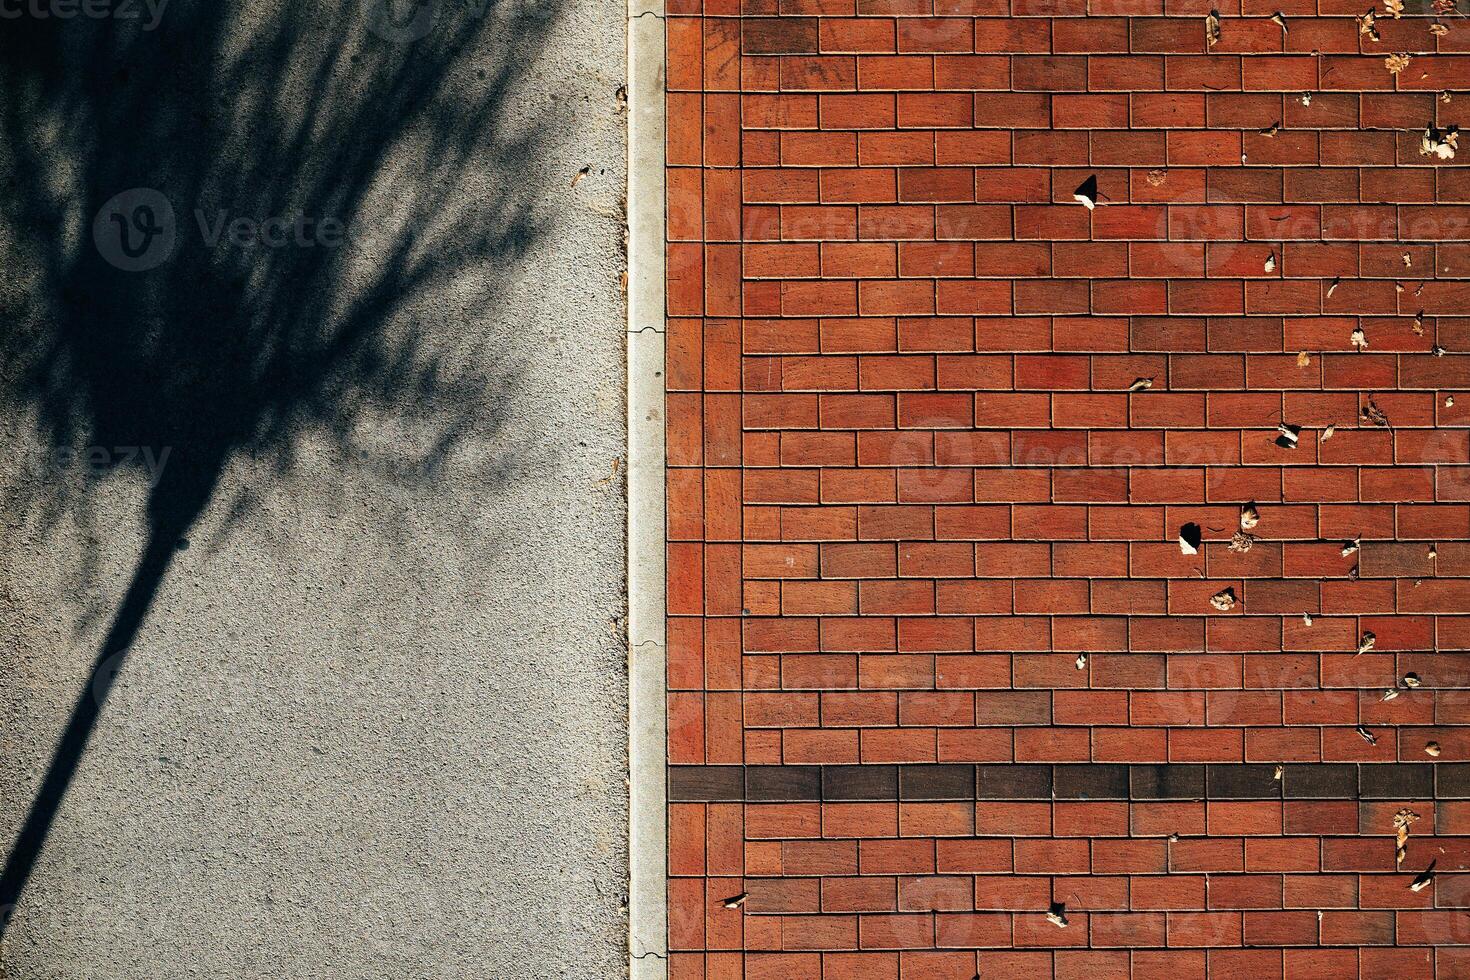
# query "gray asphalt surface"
(374, 723)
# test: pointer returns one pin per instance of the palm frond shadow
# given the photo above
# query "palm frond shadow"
(396, 155)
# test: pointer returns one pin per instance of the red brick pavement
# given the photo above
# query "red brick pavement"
(938, 663)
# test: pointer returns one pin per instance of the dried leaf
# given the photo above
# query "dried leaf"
(1359, 339)
(1240, 542)
(1438, 351)
(1396, 63)
(1439, 29)
(1440, 143)
(1279, 772)
(1372, 414)
(1408, 260)
(1366, 735)
(1270, 132)
(1390, 694)
(1189, 539)
(1249, 516)
(1351, 547)
(1141, 384)
(1057, 914)
(1287, 435)
(1445, 97)
(1449, 401)
(1423, 879)
(1353, 574)
(1395, 8)
(1279, 19)
(1433, 553)
(1366, 25)
(1212, 29)
(1432, 749)
(1307, 618)
(1411, 680)
(1174, 837)
(1336, 281)
(1303, 359)
(1327, 433)
(1081, 661)
(1306, 98)
(1156, 178)
(1224, 600)
(1366, 643)
(1270, 264)
(735, 901)
(1418, 327)
(580, 174)
(1401, 822)
(1086, 195)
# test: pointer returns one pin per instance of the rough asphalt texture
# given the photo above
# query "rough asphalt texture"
(370, 728)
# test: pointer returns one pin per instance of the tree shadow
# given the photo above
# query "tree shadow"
(150, 332)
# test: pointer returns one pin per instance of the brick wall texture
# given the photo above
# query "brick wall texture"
(942, 676)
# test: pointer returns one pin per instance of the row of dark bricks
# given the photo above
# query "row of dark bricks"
(1095, 781)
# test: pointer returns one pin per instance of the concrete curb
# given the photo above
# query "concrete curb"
(647, 753)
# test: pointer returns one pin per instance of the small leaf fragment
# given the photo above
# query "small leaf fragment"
(1438, 351)
(1351, 547)
(1141, 384)
(1411, 680)
(1327, 433)
(1249, 516)
(1086, 194)
(1366, 735)
(735, 901)
(1212, 29)
(1401, 822)
(1418, 327)
(1449, 401)
(1395, 8)
(1190, 536)
(1307, 618)
(1287, 435)
(1240, 542)
(1372, 414)
(1359, 339)
(1057, 914)
(1156, 178)
(1224, 600)
(1432, 749)
(1270, 133)
(1396, 63)
(1366, 643)
(1279, 19)
(1303, 359)
(1366, 25)
(1441, 143)
(1081, 661)
(1424, 878)
(1306, 98)
(1332, 288)
(1279, 771)
(1390, 694)
(1270, 263)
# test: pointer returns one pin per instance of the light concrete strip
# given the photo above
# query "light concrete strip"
(647, 754)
